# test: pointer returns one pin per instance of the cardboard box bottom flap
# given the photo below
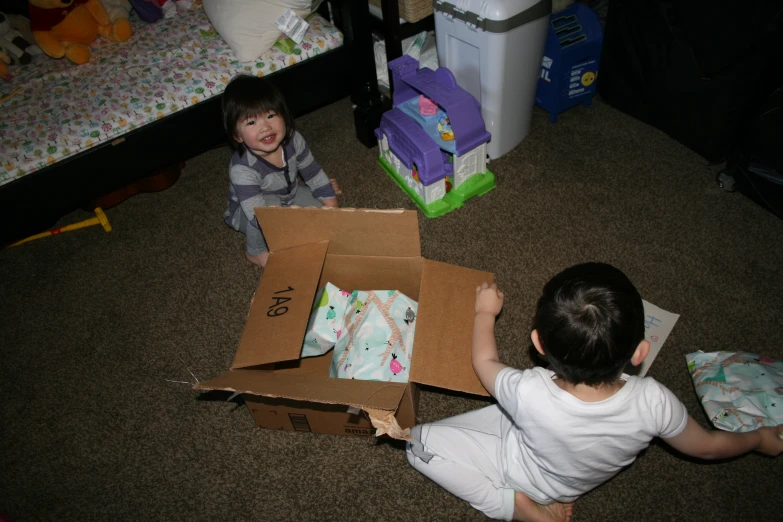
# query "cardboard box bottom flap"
(276, 413)
(298, 397)
(290, 415)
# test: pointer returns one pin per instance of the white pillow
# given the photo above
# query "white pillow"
(248, 26)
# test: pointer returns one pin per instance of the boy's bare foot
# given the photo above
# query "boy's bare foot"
(526, 510)
(259, 260)
(335, 186)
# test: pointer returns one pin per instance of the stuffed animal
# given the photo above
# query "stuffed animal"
(148, 10)
(4, 60)
(67, 27)
(117, 9)
(22, 24)
(12, 42)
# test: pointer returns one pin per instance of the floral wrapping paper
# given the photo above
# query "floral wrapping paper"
(54, 109)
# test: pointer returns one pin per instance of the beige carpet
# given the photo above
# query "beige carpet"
(97, 328)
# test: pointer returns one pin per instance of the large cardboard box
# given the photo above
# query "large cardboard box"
(352, 249)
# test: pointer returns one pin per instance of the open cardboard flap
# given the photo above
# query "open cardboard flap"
(360, 394)
(349, 231)
(443, 342)
(278, 317)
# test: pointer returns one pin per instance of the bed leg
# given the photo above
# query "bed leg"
(366, 120)
(368, 101)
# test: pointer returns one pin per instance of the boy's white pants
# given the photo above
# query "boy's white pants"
(463, 454)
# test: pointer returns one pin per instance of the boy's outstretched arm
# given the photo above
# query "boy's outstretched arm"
(486, 364)
(716, 444)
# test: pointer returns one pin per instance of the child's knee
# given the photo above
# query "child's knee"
(415, 448)
(409, 454)
(416, 436)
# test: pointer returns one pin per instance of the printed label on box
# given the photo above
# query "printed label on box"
(299, 421)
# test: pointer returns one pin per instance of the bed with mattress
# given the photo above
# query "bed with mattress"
(72, 136)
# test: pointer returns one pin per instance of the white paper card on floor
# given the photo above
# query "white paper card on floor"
(658, 324)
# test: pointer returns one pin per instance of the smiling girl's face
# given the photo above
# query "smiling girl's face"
(262, 134)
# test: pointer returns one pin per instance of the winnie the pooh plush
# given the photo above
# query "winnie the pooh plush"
(5, 59)
(67, 27)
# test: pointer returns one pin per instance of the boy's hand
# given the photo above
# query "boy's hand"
(718, 444)
(484, 354)
(771, 442)
(489, 299)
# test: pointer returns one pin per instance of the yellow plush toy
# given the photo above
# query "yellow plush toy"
(67, 27)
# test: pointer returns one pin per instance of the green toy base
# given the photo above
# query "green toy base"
(477, 185)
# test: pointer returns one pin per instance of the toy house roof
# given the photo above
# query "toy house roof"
(463, 110)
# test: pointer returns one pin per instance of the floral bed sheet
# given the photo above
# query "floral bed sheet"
(53, 109)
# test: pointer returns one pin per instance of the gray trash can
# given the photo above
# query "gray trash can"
(494, 48)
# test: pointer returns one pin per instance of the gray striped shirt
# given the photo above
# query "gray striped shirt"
(254, 182)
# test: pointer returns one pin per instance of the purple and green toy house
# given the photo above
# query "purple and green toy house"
(433, 141)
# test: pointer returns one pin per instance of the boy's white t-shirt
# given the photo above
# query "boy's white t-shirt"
(558, 447)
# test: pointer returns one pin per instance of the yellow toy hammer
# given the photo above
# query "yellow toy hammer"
(99, 219)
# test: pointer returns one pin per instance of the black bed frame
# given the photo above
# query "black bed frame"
(35, 202)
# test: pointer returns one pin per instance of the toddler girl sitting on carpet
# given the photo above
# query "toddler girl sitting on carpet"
(269, 156)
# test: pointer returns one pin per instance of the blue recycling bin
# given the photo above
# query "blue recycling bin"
(569, 69)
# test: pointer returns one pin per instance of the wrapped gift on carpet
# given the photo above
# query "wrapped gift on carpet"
(740, 391)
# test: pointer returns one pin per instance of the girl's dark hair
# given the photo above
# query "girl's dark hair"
(590, 319)
(248, 96)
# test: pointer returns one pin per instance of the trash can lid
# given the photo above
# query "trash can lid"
(494, 16)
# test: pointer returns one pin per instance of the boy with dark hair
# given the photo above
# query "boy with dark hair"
(557, 433)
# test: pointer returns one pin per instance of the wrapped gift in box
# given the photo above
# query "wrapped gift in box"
(371, 332)
(326, 321)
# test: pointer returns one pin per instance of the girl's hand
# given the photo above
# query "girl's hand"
(488, 299)
(336, 187)
(330, 203)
